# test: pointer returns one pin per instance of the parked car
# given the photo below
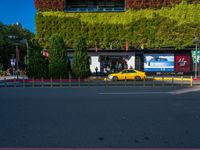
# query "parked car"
(128, 74)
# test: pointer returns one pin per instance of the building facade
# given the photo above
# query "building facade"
(125, 33)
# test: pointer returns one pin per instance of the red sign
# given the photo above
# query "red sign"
(182, 62)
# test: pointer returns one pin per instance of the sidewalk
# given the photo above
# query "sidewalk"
(12, 81)
(99, 78)
(197, 79)
(12, 77)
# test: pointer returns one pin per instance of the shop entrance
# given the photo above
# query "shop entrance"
(110, 64)
(139, 61)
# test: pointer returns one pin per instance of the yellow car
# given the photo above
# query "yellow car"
(128, 74)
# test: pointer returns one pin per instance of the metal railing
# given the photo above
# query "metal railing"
(78, 82)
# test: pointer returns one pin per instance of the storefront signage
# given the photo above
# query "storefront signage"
(182, 62)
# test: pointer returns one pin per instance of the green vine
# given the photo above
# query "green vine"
(166, 27)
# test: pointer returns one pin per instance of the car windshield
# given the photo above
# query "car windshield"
(131, 71)
(125, 71)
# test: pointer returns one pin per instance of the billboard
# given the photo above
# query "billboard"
(159, 62)
(182, 62)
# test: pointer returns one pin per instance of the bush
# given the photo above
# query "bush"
(80, 65)
(57, 57)
(1, 73)
(37, 64)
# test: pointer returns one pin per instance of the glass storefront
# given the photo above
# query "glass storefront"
(112, 64)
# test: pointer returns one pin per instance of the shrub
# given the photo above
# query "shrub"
(57, 57)
(37, 64)
(80, 65)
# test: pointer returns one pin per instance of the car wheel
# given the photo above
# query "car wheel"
(137, 78)
(115, 78)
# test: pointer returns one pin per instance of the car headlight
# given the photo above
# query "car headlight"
(110, 77)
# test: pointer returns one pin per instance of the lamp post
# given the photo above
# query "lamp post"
(17, 60)
(46, 55)
(16, 53)
(25, 41)
(12, 62)
(196, 42)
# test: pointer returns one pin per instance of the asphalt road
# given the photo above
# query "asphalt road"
(145, 117)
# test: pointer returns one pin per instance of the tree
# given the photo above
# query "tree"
(37, 63)
(7, 44)
(80, 65)
(57, 57)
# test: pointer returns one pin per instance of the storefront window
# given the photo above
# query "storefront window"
(112, 64)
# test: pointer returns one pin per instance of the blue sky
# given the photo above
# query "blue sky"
(23, 11)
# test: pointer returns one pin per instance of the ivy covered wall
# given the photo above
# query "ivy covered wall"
(165, 27)
(46, 5)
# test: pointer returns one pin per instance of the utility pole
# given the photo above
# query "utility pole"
(196, 41)
(17, 61)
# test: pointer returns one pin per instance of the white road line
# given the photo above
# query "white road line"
(188, 90)
(133, 93)
(177, 92)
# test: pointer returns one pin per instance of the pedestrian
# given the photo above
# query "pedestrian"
(96, 69)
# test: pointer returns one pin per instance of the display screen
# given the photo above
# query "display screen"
(94, 5)
(159, 62)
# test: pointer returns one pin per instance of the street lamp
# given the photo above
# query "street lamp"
(25, 41)
(46, 55)
(196, 41)
(16, 52)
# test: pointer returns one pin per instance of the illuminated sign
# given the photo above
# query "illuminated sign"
(159, 62)
(182, 62)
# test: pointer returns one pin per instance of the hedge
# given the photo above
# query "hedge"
(165, 27)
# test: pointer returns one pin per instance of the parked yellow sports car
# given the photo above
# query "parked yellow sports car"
(128, 74)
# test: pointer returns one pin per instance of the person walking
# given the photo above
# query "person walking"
(96, 69)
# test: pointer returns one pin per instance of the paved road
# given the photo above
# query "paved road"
(100, 117)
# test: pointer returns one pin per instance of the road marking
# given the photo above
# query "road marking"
(99, 148)
(188, 90)
(177, 92)
(133, 93)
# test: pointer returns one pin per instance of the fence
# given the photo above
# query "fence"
(78, 82)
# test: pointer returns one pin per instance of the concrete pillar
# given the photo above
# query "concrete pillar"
(131, 62)
(94, 63)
